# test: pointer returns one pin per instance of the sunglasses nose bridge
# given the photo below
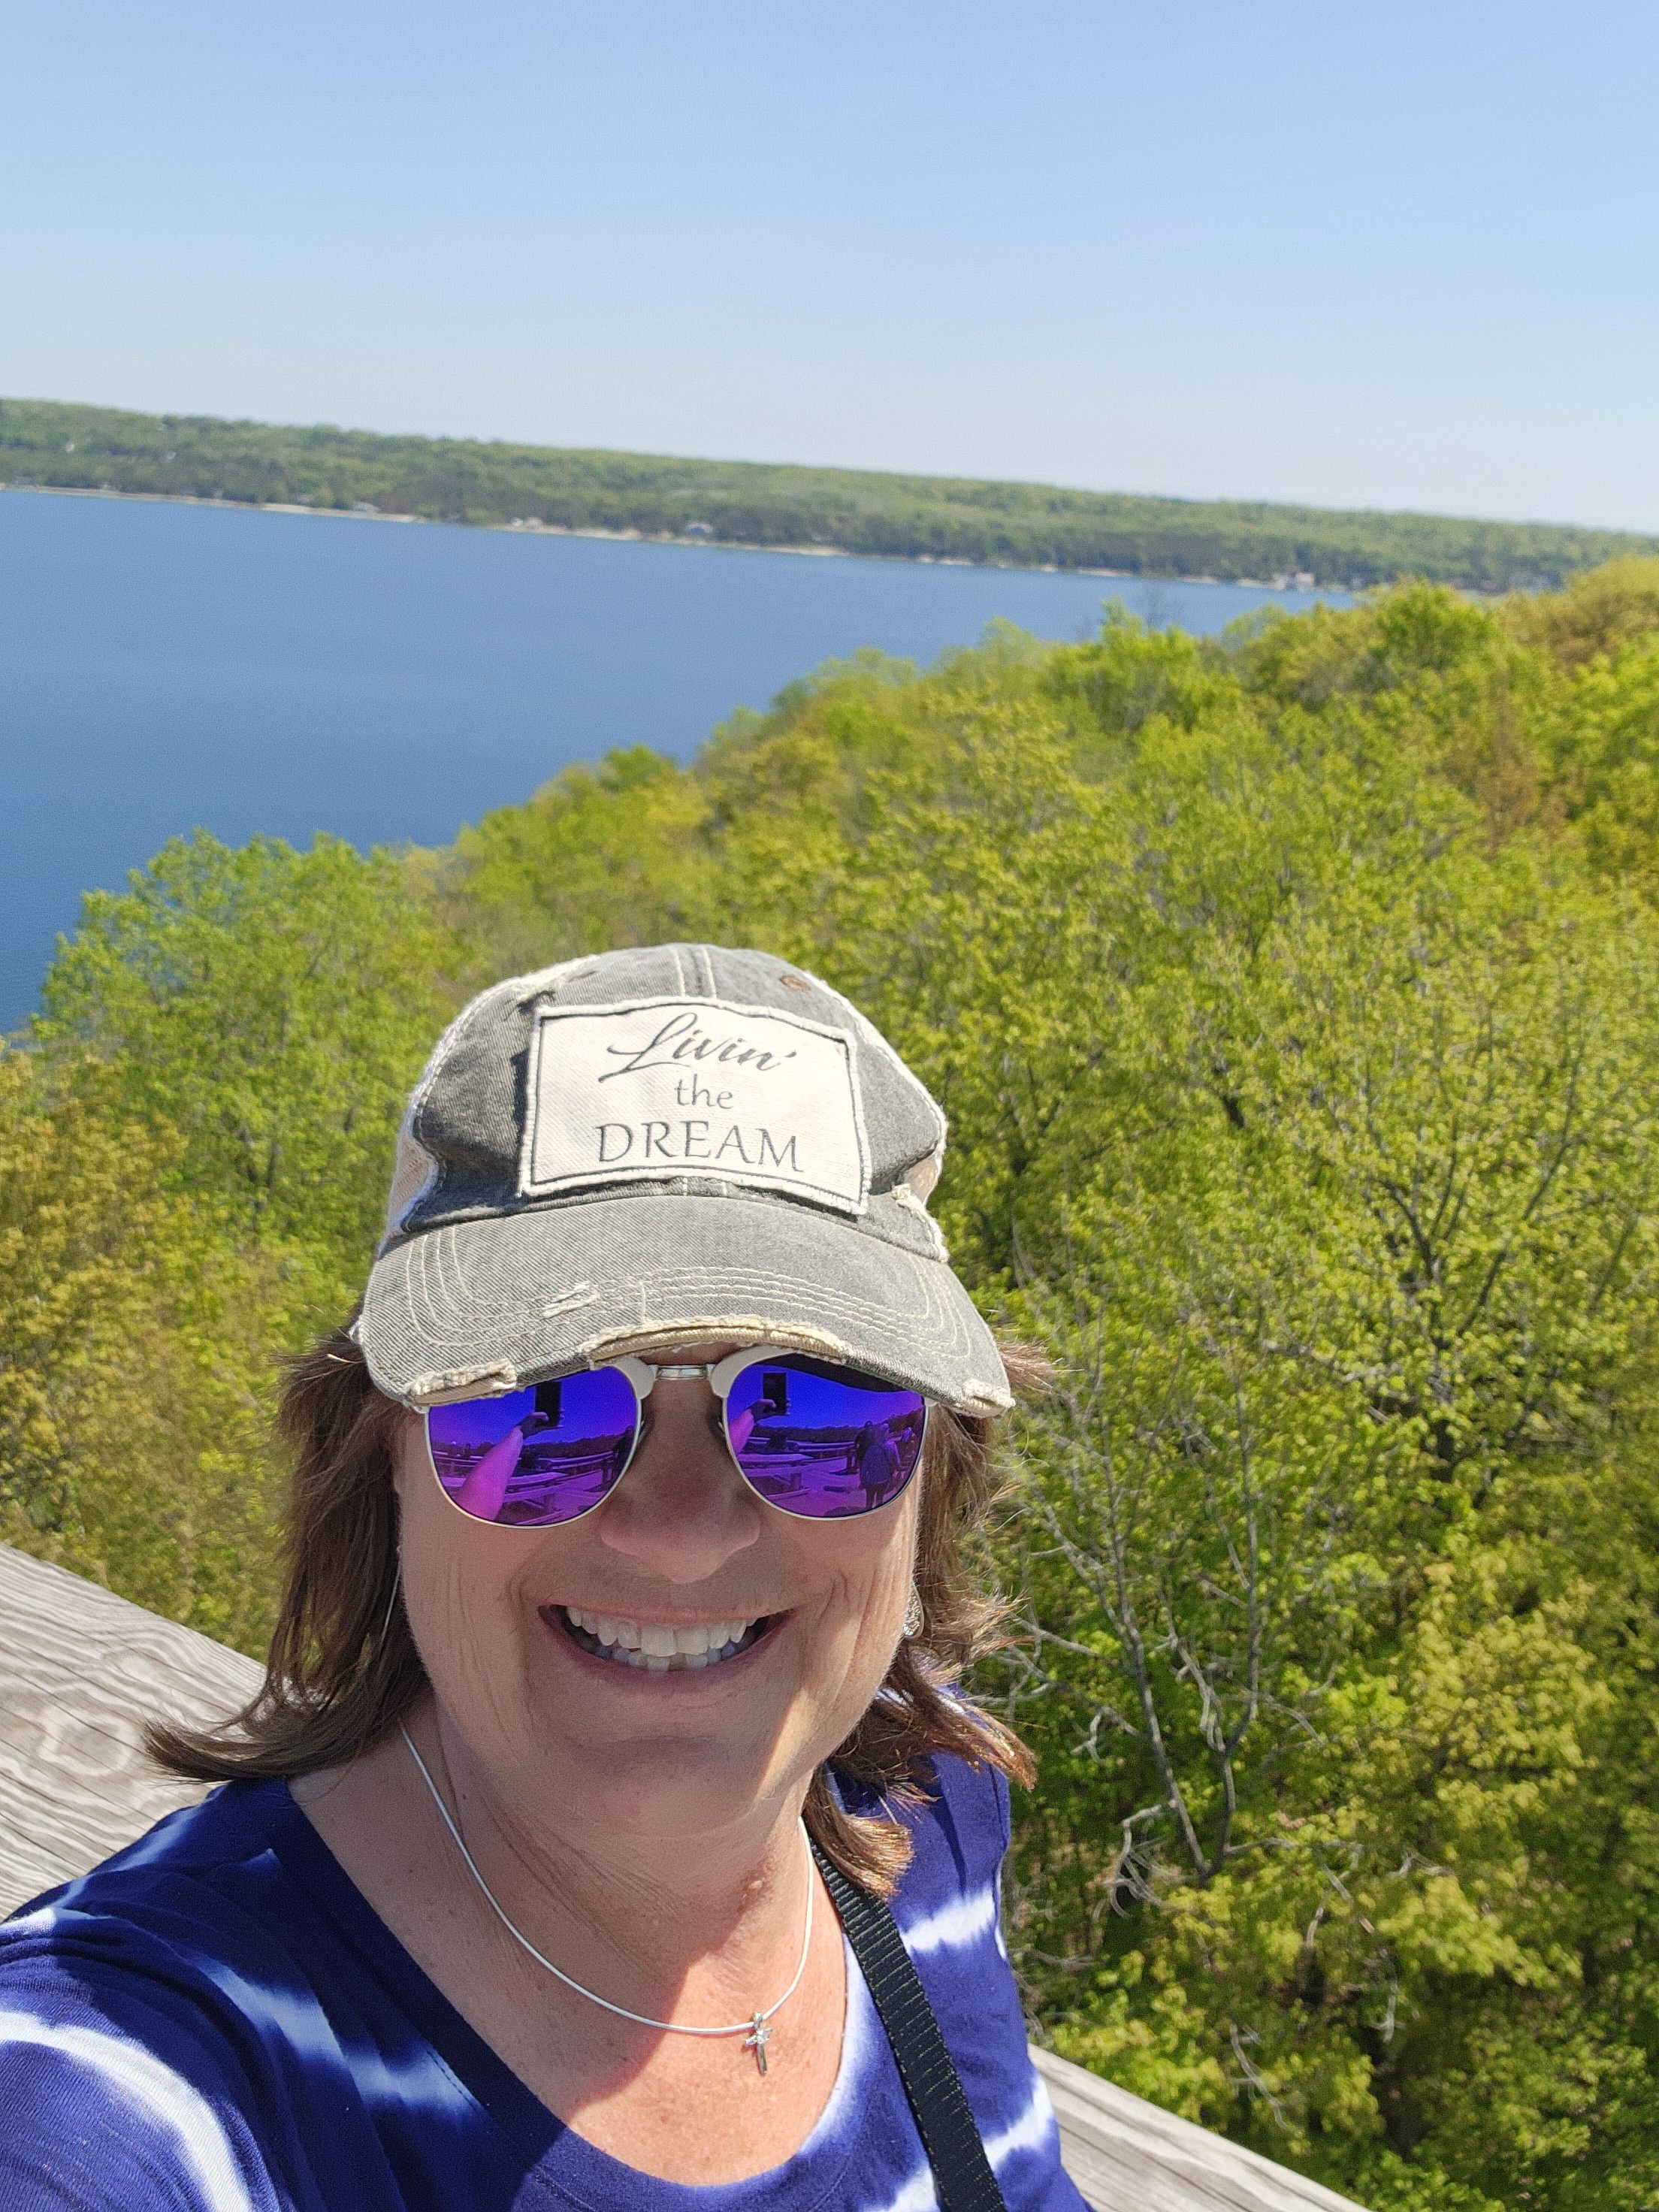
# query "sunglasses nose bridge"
(720, 1375)
(643, 1374)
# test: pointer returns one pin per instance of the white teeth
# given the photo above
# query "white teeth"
(656, 1648)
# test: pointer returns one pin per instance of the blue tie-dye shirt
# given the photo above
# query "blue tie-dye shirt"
(215, 2020)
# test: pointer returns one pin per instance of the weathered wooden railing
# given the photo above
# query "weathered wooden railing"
(80, 1670)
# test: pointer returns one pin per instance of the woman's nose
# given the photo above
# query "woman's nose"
(681, 1511)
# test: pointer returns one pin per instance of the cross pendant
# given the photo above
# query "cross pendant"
(756, 2040)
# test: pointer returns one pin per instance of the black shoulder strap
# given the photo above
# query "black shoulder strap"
(949, 2134)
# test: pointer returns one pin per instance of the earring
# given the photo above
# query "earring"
(914, 1618)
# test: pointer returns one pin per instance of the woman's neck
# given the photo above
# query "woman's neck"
(698, 1929)
(678, 1926)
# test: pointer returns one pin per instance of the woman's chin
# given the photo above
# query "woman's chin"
(681, 1750)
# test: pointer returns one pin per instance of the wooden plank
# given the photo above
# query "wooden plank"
(81, 1670)
(1124, 2153)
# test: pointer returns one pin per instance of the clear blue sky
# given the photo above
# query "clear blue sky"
(1399, 255)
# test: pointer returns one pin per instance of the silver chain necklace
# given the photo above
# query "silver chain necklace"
(756, 2031)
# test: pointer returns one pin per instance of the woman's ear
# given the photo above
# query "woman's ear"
(408, 1451)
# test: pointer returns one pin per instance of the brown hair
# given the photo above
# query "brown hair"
(343, 1668)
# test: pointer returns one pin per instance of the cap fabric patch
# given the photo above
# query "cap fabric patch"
(669, 1087)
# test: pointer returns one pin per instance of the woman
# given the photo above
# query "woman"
(592, 1621)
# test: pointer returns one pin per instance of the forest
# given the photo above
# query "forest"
(1294, 997)
(47, 443)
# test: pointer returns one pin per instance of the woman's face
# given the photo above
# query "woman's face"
(681, 1545)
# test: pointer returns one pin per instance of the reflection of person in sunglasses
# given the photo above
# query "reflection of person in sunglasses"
(876, 1460)
(508, 1897)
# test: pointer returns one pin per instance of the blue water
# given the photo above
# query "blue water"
(163, 665)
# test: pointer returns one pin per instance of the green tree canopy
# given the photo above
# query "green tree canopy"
(1292, 997)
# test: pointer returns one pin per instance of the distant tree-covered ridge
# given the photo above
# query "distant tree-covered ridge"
(47, 444)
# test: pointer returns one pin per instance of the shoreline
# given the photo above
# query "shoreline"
(532, 529)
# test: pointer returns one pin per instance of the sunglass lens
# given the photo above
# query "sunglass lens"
(822, 1441)
(534, 1457)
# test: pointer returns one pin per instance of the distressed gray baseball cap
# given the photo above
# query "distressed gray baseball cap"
(671, 1144)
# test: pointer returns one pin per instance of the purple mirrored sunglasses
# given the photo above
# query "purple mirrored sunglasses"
(817, 1440)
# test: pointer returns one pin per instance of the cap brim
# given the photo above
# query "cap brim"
(508, 1299)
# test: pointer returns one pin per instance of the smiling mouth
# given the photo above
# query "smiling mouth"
(653, 1649)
